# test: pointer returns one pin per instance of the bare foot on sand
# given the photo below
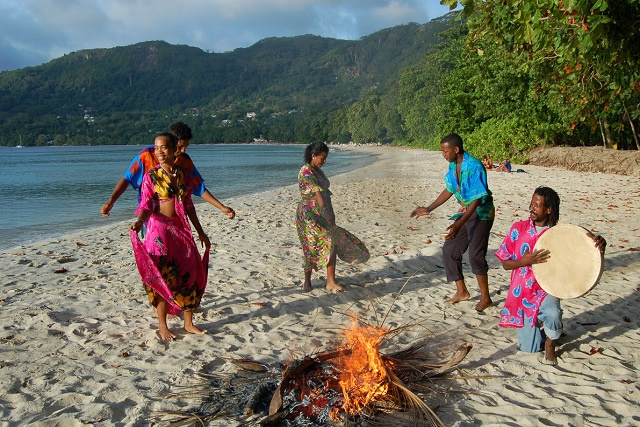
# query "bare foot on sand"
(306, 287)
(459, 296)
(164, 334)
(334, 287)
(549, 353)
(484, 304)
(193, 329)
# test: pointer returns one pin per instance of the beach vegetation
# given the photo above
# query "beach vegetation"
(574, 65)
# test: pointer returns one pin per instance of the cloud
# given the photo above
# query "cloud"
(36, 31)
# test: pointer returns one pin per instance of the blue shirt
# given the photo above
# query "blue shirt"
(473, 186)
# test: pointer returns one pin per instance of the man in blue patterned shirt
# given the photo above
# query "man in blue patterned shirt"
(466, 179)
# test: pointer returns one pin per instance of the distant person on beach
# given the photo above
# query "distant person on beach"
(504, 166)
(315, 218)
(467, 180)
(487, 162)
(168, 260)
(527, 306)
(146, 160)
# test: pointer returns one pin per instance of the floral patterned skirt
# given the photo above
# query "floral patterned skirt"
(169, 263)
(319, 240)
(315, 237)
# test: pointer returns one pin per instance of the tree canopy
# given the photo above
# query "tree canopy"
(582, 57)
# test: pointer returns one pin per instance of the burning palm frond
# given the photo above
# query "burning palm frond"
(359, 382)
(355, 384)
(309, 392)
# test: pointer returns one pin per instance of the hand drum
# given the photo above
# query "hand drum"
(574, 265)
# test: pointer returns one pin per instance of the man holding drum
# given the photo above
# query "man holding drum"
(528, 306)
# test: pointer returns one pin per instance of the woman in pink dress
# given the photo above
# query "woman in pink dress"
(172, 271)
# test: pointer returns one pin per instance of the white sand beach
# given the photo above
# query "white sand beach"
(77, 335)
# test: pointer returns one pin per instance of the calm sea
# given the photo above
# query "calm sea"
(50, 191)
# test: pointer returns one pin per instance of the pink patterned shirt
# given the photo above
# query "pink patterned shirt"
(525, 294)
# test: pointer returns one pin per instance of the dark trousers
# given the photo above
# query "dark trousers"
(474, 235)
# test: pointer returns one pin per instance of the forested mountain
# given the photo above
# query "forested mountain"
(280, 88)
(507, 76)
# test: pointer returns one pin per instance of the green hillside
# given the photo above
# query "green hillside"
(122, 95)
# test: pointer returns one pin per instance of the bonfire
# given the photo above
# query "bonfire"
(354, 384)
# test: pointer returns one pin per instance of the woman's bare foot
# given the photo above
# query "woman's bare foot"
(484, 304)
(306, 287)
(189, 327)
(459, 296)
(334, 287)
(193, 329)
(165, 334)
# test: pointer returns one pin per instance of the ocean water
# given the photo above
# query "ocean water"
(50, 191)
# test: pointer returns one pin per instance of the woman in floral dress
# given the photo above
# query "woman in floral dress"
(172, 271)
(315, 218)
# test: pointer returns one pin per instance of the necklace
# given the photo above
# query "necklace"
(174, 174)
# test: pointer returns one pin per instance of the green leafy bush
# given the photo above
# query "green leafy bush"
(509, 138)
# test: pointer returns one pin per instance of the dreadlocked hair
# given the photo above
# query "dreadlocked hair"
(551, 200)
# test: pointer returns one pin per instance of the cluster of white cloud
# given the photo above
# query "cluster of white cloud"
(35, 31)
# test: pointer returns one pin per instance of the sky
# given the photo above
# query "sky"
(33, 32)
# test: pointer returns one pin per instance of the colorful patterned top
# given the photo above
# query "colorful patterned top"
(311, 181)
(161, 189)
(146, 160)
(473, 186)
(525, 294)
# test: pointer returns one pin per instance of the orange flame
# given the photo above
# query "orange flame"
(363, 373)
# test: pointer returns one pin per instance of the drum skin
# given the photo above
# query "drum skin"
(574, 265)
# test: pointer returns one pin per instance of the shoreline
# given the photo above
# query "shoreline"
(79, 346)
(18, 231)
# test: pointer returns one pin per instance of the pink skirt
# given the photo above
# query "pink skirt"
(169, 263)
